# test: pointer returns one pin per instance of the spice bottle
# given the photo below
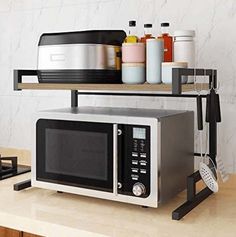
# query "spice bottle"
(184, 48)
(132, 38)
(168, 55)
(147, 33)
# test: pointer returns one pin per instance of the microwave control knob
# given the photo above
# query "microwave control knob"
(139, 189)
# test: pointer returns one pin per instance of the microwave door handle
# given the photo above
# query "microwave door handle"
(115, 159)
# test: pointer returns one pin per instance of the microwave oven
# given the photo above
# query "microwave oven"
(137, 156)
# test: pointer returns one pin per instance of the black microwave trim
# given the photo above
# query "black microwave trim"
(42, 175)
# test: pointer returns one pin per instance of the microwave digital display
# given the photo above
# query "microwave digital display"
(139, 133)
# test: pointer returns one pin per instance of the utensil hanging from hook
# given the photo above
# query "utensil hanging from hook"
(207, 167)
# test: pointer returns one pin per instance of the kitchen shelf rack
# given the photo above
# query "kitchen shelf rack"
(106, 87)
(177, 89)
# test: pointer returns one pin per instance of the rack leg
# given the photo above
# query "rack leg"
(193, 199)
(22, 185)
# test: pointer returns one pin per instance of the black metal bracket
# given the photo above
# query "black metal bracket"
(18, 74)
(213, 117)
(177, 74)
(193, 198)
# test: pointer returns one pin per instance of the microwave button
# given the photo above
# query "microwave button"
(143, 171)
(143, 155)
(134, 154)
(134, 177)
(142, 143)
(134, 162)
(143, 162)
(134, 170)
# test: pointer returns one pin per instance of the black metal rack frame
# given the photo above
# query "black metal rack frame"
(193, 198)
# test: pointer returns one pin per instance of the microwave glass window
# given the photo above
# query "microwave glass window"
(78, 153)
(139, 133)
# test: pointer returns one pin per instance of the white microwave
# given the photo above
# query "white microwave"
(136, 156)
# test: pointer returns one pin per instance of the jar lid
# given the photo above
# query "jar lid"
(133, 64)
(154, 39)
(172, 64)
(184, 33)
(147, 25)
(165, 24)
(132, 23)
(129, 44)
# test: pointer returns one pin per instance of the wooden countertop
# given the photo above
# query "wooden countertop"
(53, 214)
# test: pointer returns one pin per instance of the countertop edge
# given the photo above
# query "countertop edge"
(41, 228)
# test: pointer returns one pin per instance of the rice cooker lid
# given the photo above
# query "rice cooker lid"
(108, 37)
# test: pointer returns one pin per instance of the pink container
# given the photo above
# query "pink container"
(133, 52)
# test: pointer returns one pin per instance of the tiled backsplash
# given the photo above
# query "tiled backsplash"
(23, 21)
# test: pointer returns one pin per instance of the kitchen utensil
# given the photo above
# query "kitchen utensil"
(207, 167)
(208, 175)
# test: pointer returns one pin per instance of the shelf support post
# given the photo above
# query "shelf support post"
(176, 81)
(74, 98)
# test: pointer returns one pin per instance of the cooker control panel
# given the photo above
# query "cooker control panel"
(134, 161)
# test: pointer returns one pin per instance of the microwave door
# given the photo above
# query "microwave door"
(75, 153)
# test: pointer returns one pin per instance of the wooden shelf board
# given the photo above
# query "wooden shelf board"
(108, 87)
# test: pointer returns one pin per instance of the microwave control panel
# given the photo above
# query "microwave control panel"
(134, 160)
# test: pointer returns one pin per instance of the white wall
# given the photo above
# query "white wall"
(23, 21)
